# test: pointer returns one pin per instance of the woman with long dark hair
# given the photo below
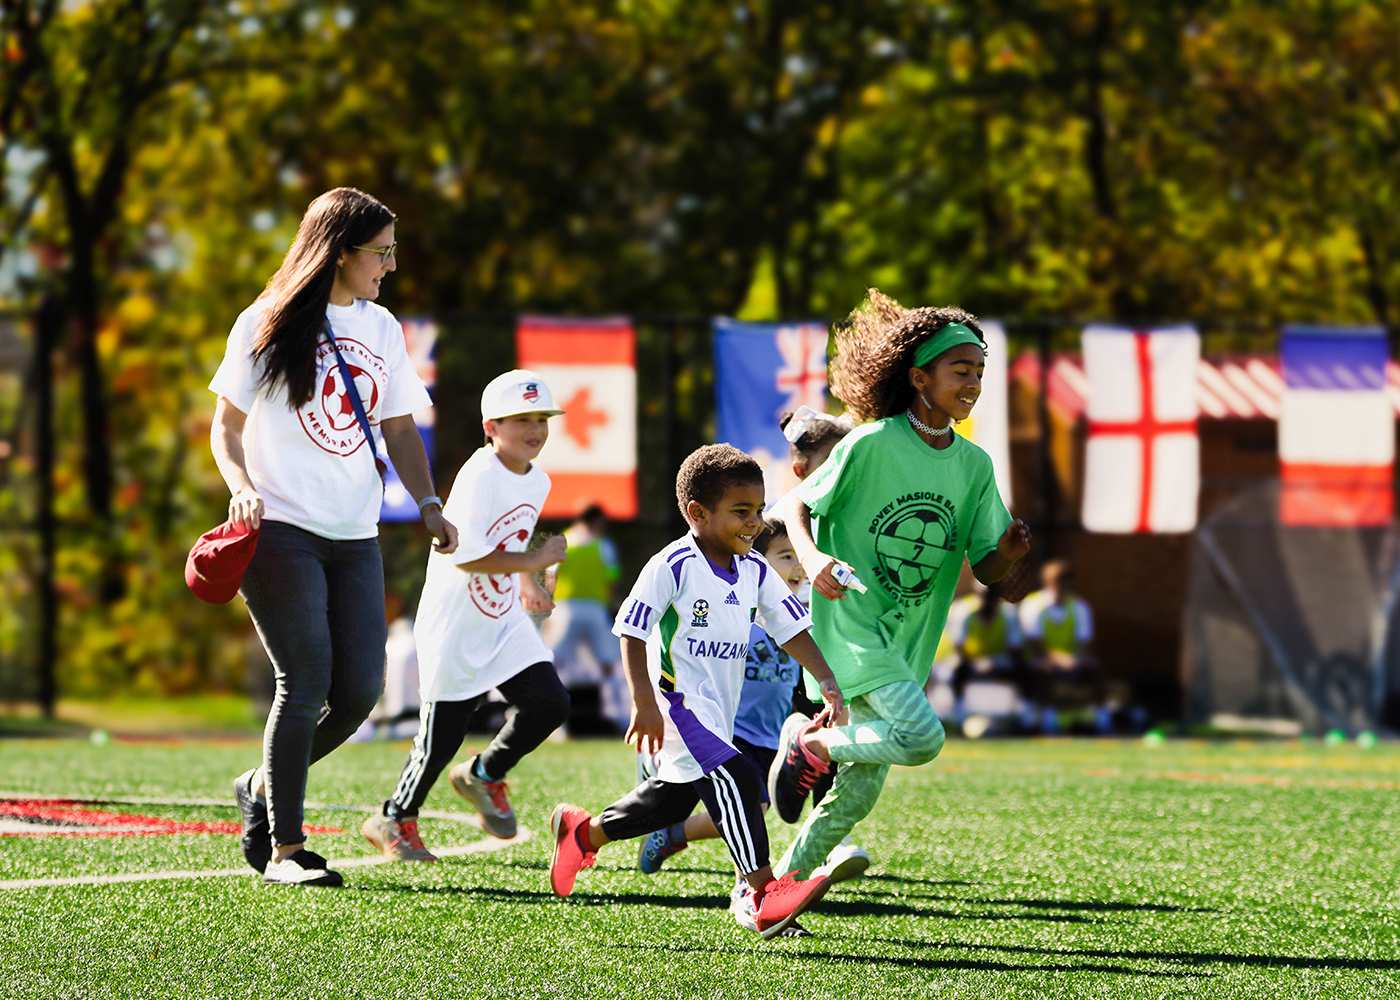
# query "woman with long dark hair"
(310, 367)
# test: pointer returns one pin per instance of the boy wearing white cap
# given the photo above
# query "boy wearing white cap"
(473, 629)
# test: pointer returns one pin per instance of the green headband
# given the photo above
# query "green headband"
(945, 339)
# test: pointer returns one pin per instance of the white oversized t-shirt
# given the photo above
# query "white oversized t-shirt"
(311, 465)
(695, 618)
(472, 631)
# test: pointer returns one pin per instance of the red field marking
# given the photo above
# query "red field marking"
(68, 818)
(486, 845)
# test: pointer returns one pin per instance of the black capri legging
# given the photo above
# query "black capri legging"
(732, 794)
(541, 706)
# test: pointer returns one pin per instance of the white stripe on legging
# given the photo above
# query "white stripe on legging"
(733, 821)
(418, 759)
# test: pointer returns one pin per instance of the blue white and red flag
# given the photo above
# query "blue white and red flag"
(1336, 428)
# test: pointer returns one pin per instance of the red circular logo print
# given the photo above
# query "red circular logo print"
(329, 416)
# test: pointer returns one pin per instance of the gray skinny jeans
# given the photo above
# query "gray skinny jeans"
(318, 606)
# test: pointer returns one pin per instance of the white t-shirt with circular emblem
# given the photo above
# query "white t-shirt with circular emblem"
(311, 465)
(471, 629)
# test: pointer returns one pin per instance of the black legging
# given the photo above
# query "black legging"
(542, 706)
(318, 605)
(733, 796)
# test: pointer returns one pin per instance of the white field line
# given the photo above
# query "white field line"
(484, 846)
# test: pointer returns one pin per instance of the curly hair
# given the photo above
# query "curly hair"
(875, 349)
(709, 471)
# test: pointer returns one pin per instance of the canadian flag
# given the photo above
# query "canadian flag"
(590, 367)
(1142, 460)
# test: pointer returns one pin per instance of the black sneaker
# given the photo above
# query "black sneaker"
(301, 868)
(794, 771)
(256, 839)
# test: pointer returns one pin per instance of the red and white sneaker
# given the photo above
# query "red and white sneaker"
(489, 797)
(570, 856)
(396, 839)
(741, 908)
(783, 899)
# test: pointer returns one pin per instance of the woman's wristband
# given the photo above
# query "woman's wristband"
(427, 500)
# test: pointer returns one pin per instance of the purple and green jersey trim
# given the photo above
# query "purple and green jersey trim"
(709, 750)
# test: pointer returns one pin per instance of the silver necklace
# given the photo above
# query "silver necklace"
(919, 425)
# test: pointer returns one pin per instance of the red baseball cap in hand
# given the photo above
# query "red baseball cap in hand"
(214, 569)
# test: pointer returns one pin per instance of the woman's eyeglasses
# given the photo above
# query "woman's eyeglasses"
(383, 252)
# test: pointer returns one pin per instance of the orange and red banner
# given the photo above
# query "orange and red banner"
(590, 367)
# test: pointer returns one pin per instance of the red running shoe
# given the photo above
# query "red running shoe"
(783, 899)
(569, 856)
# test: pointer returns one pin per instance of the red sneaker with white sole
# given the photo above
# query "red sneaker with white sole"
(783, 899)
(570, 857)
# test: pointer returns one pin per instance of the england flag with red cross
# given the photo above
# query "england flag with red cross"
(1142, 468)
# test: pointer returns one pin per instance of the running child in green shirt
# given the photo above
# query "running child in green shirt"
(899, 503)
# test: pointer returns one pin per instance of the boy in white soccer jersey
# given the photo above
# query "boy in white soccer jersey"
(685, 633)
(473, 630)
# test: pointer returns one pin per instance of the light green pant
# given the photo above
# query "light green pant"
(894, 724)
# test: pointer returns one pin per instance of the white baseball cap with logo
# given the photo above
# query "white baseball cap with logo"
(516, 391)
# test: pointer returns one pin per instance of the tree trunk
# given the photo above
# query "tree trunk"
(49, 322)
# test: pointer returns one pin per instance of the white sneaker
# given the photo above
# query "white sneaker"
(741, 905)
(845, 862)
(302, 868)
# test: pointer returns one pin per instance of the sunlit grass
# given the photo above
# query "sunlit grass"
(1004, 869)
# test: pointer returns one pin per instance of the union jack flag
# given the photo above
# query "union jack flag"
(762, 370)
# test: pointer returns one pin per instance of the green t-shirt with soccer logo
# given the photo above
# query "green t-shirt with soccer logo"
(903, 515)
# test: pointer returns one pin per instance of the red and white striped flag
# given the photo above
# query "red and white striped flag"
(1142, 460)
(590, 367)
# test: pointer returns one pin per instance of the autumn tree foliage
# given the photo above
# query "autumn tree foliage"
(1229, 161)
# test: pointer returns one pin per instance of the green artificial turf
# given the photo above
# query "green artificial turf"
(1004, 869)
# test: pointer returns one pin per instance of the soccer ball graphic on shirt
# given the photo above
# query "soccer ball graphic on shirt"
(911, 544)
(328, 417)
(335, 401)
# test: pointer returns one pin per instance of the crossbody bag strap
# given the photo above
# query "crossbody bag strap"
(353, 392)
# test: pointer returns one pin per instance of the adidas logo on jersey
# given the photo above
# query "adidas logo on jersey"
(732, 599)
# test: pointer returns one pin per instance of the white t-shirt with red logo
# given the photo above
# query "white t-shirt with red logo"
(472, 631)
(311, 465)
